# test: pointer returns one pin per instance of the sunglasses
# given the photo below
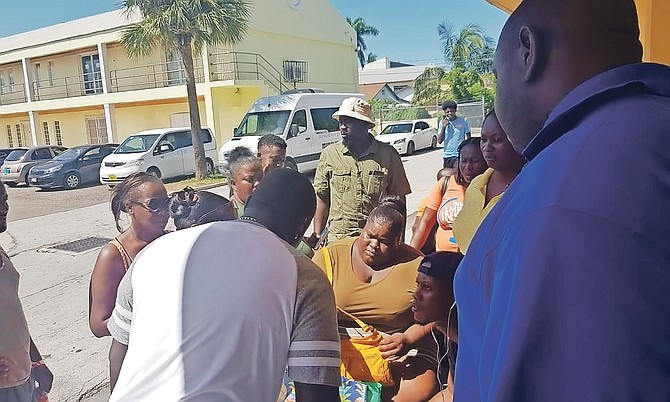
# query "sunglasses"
(154, 205)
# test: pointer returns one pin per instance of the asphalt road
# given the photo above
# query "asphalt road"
(29, 202)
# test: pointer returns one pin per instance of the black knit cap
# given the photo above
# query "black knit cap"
(282, 202)
(441, 265)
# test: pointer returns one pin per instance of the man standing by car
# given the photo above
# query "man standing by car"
(452, 130)
(17, 349)
(354, 174)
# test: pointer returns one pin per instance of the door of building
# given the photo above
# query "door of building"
(96, 130)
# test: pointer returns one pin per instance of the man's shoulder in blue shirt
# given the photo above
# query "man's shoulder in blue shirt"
(563, 292)
(454, 134)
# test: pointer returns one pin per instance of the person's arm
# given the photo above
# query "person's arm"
(107, 274)
(443, 127)
(322, 189)
(43, 375)
(466, 127)
(316, 393)
(391, 347)
(117, 352)
(426, 223)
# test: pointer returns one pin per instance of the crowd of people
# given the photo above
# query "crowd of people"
(528, 276)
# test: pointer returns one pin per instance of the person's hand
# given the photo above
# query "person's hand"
(44, 379)
(312, 240)
(392, 346)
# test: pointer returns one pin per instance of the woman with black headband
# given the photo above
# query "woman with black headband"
(434, 302)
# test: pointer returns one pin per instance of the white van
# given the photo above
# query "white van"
(304, 120)
(164, 152)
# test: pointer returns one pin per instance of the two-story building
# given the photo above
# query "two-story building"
(72, 83)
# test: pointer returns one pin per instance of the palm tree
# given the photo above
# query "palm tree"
(428, 86)
(185, 26)
(362, 29)
(467, 48)
(371, 57)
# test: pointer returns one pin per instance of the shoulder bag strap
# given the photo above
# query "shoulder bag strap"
(329, 273)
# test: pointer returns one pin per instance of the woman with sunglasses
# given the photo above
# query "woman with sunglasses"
(190, 208)
(144, 199)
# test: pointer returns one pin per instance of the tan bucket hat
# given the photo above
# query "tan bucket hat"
(355, 108)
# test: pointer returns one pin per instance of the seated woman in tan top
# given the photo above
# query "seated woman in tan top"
(374, 279)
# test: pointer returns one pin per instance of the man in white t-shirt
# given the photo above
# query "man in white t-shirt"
(216, 312)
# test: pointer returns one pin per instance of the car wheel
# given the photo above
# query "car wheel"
(154, 171)
(72, 180)
(209, 166)
(11, 183)
(290, 164)
(433, 143)
(410, 148)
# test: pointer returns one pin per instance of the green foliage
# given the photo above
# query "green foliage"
(469, 48)
(488, 92)
(176, 23)
(371, 57)
(362, 29)
(428, 86)
(460, 82)
(388, 110)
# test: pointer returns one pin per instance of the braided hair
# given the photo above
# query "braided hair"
(190, 208)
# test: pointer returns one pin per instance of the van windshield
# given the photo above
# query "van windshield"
(261, 123)
(136, 144)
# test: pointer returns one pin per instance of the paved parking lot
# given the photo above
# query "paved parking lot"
(29, 202)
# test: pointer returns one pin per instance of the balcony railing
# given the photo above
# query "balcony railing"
(245, 66)
(67, 87)
(152, 76)
(10, 96)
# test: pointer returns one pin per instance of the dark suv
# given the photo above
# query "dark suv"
(72, 168)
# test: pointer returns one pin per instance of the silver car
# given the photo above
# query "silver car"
(15, 168)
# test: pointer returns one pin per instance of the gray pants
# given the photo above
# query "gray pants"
(25, 392)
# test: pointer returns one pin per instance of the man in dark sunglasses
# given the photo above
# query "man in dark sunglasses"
(218, 311)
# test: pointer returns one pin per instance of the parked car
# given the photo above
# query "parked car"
(71, 168)
(409, 136)
(303, 119)
(164, 152)
(3, 154)
(19, 162)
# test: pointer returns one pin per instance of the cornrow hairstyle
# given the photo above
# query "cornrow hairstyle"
(190, 208)
(122, 192)
(271, 140)
(238, 157)
(475, 141)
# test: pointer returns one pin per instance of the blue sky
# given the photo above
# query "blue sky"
(408, 28)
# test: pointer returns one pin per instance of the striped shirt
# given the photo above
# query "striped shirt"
(204, 317)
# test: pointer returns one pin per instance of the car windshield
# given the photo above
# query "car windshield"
(397, 128)
(261, 123)
(70, 155)
(16, 154)
(136, 144)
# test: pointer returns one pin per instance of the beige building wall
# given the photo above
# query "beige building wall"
(72, 126)
(133, 118)
(8, 126)
(230, 106)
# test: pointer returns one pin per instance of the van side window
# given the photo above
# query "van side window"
(323, 119)
(300, 118)
(169, 139)
(205, 135)
(183, 139)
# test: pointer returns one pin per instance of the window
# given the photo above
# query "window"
(41, 153)
(168, 139)
(421, 125)
(10, 139)
(175, 68)
(300, 118)
(90, 66)
(38, 75)
(19, 135)
(12, 83)
(295, 71)
(323, 119)
(92, 154)
(184, 138)
(3, 88)
(96, 130)
(51, 73)
(59, 137)
(47, 139)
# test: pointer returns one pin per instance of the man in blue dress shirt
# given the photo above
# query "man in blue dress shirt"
(452, 130)
(564, 294)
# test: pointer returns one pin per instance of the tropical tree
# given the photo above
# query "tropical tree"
(184, 27)
(428, 86)
(371, 57)
(468, 48)
(362, 29)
